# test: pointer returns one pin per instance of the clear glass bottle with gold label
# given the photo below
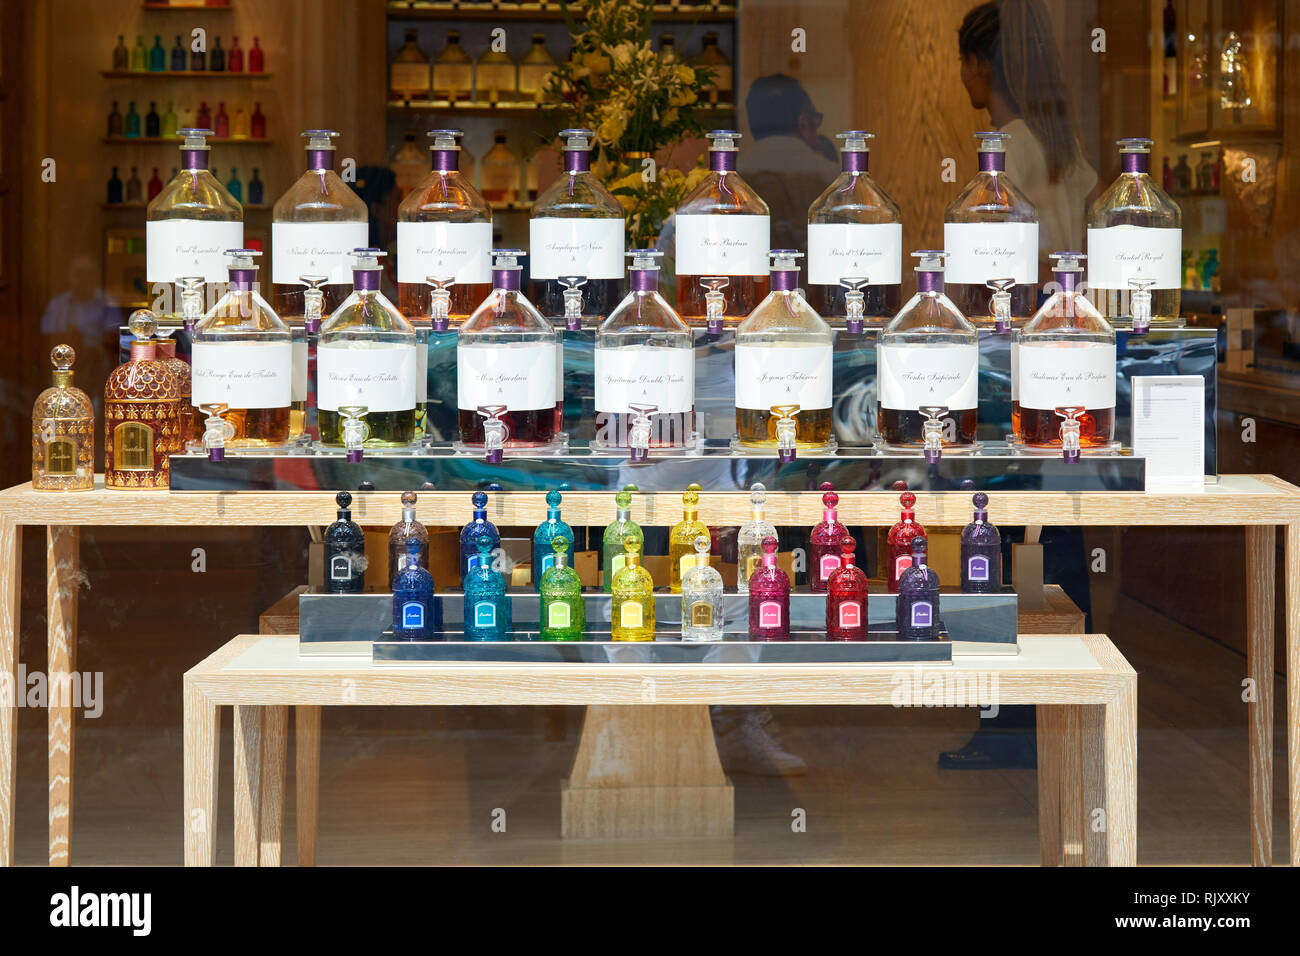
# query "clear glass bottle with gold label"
(63, 431)
(702, 611)
(140, 405)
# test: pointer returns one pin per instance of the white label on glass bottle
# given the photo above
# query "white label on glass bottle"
(315, 249)
(521, 377)
(873, 251)
(190, 247)
(645, 376)
(1015, 371)
(421, 369)
(1119, 253)
(979, 251)
(575, 247)
(1057, 374)
(299, 390)
(783, 375)
(243, 374)
(910, 376)
(458, 249)
(381, 377)
(724, 245)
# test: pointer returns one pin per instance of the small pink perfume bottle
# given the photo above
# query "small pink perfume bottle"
(846, 604)
(825, 540)
(769, 598)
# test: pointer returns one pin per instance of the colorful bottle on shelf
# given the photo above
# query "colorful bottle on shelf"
(255, 187)
(345, 551)
(496, 76)
(501, 172)
(63, 431)
(408, 72)
(114, 121)
(681, 539)
(193, 221)
(702, 607)
(131, 123)
(139, 56)
(257, 122)
(535, 69)
(153, 123)
(453, 71)
(168, 124)
(478, 527)
(233, 185)
(406, 530)
(719, 88)
(613, 542)
(133, 188)
(825, 541)
(769, 598)
(114, 196)
(916, 614)
(140, 413)
(900, 541)
(198, 58)
(178, 56)
(749, 540)
(632, 601)
(488, 612)
(121, 56)
(155, 185)
(563, 613)
(415, 609)
(217, 62)
(846, 599)
(543, 555)
(256, 59)
(235, 59)
(157, 56)
(981, 552)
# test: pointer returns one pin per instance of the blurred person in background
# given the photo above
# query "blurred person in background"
(86, 317)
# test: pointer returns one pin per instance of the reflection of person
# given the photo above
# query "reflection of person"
(87, 318)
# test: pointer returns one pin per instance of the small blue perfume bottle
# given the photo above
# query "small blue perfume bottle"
(478, 528)
(543, 553)
(345, 551)
(415, 610)
(487, 608)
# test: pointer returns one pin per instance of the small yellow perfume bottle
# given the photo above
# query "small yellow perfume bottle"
(632, 615)
(681, 541)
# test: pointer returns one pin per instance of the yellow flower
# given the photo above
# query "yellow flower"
(682, 98)
(685, 75)
(670, 116)
(612, 128)
(597, 64)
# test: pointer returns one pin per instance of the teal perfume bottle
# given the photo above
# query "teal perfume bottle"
(547, 531)
(487, 609)
(617, 532)
(564, 615)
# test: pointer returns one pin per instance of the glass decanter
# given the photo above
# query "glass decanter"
(408, 73)
(444, 232)
(63, 431)
(453, 71)
(783, 368)
(478, 527)
(824, 542)
(1065, 370)
(345, 551)
(547, 531)
(496, 76)
(719, 88)
(193, 221)
(415, 609)
(990, 231)
(749, 540)
(722, 235)
(981, 552)
(242, 357)
(681, 539)
(632, 600)
(855, 235)
(645, 369)
(702, 608)
(900, 540)
(367, 359)
(501, 172)
(616, 534)
(916, 615)
(846, 600)
(534, 69)
(315, 226)
(564, 615)
(1135, 244)
(403, 532)
(487, 607)
(769, 599)
(506, 362)
(927, 368)
(576, 229)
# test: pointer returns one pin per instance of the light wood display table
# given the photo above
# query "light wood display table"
(1258, 503)
(1081, 683)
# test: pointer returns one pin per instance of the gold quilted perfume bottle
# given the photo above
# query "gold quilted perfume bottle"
(141, 409)
(63, 431)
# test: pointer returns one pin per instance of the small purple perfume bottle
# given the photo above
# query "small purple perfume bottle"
(825, 540)
(981, 552)
(769, 598)
(917, 614)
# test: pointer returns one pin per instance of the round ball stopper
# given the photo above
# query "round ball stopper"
(344, 499)
(629, 487)
(631, 545)
(143, 324)
(484, 546)
(62, 357)
(408, 498)
(366, 486)
(830, 499)
(769, 545)
(967, 484)
(758, 492)
(702, 544)
(694, 487)
(918, 544)
(428, 486)
(623, 499)
(494, 486)
(907, 498)
(899, 486)
(553, 499)
(559, 544)
(847, 546)
(981, 500)
(825, 486)
(480, 499)
(690, 497)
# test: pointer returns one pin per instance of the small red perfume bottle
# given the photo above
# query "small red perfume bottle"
(846, 604)
(769, 598)
(255, 56)
(825, 540)
(235, 57)
(258, 122)
(900, 540)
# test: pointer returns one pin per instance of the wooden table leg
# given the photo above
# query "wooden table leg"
(248, 783)
(1049, 783)
(275, 725)
(306, 746)
(1072, 786)
(62, 566)
(1292, 623)
(11, 575)
(1260, 572)
(1120, 734)
(1093, 751)
(201, 745)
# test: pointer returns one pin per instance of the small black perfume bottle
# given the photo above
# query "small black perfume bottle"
(917, 614)
(345, 552)
(981, 552)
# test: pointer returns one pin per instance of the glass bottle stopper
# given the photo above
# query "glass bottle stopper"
(829, 501)
(62, 357)
(899, 485)
(313, 301)
(723, 140)
(495, 432)
(855, 140)
(218, 430)
(632, 548)
(638, 435)
(1134, 144)
(408, 500)
(1000, 303)
(715, 303)
(440, 301)
(847, 547)
(1066, 268)
(992, 141)
(445, 139)
(757, 497)
(1140, 303)
(344, 500)
(784, 260)
(907, 499)
(769, 551)
(981, 502)
(576, 139)
(702, 545)
(318, 139)
(572, 301)
(1071, 429)
(192, 139)
(786, 432)
(691, 499)
(623, 500)
(143, 324)
(355, 430)
(553, 499)
(479, 499)
(560, 545)
(507, 259)
(855, 301)
(644, 260)
(919, 547)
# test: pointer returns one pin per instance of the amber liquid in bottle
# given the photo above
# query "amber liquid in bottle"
(413, 299)
(743, 294)
(1038, 426)
(973, 301)
(758, 426)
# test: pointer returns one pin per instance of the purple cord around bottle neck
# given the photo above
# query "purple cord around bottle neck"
(645, 280)
(722, 160)
(365, 280)
(242, 279)
(320, 159)
(194, 158)
(1135, 162)
(1068, 281)
(577, 160)
(929, 282)
(854, 162)
(446, 160)
(992, 161)
(507, 279)
(785, 281)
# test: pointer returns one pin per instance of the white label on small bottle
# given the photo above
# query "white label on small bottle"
(575, 247)
(872, 251)
(315, 249)
(462, 250)
(724, 245)
(645, 376)
(1057, 374)
(243, 374)
(783, 375)
(190, 247)
(299, 390)
(381, 377)
(521, 377)
(980, 251)
(910, 376)
(1119, 253)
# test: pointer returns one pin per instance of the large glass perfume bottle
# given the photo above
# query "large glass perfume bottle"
(645, 368)
(499, 181)
(576, 230)
(453, 71)
(564, 615)
(632, 600)
(846, 599)
(981, 552)
(534, 70)
(1065, 370)
(990, 231)
(855, 238)
(769, 599)
(444, 232)
(139, 406)
(345, 551)
(681, 539)
(488, 612)
(783, 368)
(916, 615)
(927, 368)
(1135, 244)
(824, 542)
(193, 221)
(900, 540)
(63, 431)
(415, 609)
(546, 532)
(478, 527)
(720, 87)
(408, 73)
(315, 226)
(403, 533)
(702, 608)
(506, 362)
(242, 358)
(723, 234)
(366, 364)
(496, 76)
(749, 540)
(616, 534)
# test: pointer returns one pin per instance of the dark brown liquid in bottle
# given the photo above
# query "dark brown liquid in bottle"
(667, 430)
(879, 301)
(973, 301)
(742, 295)
(1041, 426)
(413, 299)
(902, 427)
(532, 427)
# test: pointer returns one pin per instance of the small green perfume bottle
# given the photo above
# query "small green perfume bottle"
(616, 532)
(564, 616)
(681, 540)
(632, 615)
(487, 606)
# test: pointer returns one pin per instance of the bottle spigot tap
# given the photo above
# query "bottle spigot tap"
(932, 431)
(715, 302)
(355, 430)
(313, 302)
(573, 301)
(1071, 429)
(495, 432)
(785, 431)
(1140, 300)
(638, 434)
(1000, 303)
(855, 303)
(440, 301)
(218, 431)
(190, 290)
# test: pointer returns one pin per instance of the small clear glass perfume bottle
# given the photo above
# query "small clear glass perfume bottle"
(616, 534)
(916, 614)
(632, 607)
(564, 615)
(478, 527)
(193, 221)
(846, 599)
(554, 525)
(981, 552)
(415, 609)
(900, 540)
(345, 551)
(681, 539)
(63, 431)
(702, 610)
(487, 606)
(403, 533)
(769, 599)
(749, 540)
(824, 542)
